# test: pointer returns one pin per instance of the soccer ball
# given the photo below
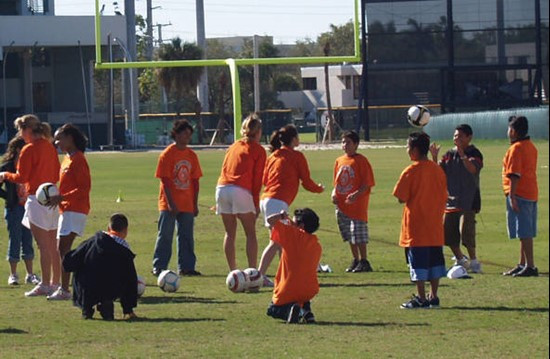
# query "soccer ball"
(418, 116)
(236, 281)
(168, 281)
(140, 286)
(45, 191)
(254, 279)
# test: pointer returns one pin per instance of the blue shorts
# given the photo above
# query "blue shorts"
(522, 224)
(426, 263)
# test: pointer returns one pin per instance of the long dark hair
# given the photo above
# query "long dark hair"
(79, 139)
(14, 146)
(282, 136)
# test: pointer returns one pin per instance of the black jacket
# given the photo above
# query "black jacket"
(103, 270)
(8, 190)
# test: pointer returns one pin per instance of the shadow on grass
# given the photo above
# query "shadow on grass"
(175, 320)
(361, 285)
(500, 309)
(183, 299)
(13, 331)
(366, 324)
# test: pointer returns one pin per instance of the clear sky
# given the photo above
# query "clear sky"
(285, 20)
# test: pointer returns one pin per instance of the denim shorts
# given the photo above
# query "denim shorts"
(425, 263)
(522, 224)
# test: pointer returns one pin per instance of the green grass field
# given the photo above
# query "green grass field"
(358, 315)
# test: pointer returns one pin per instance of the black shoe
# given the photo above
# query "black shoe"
(527, 272)
(434, 302)
(88, 313)
(415, 303)
(189, 272)
(106, 309)
(308, 318)
(352, 266)
(362, 266)
(294, 314)
(514, 270)
(156, 271)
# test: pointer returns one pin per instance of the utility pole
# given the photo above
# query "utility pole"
(130, 13)
(256, 52)
(202, 87)
(149, 30)
(159, 30)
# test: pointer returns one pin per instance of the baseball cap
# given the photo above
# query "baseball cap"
(458, 272)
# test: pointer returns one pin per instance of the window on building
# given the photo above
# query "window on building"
(41, 92)
(37, 6)
(356, 87)
(41, 57)
(309, 83)
(8, 7)
(346, 80)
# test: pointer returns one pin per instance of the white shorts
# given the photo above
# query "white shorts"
(271, 206)
(71, 222)
(231, 199)
(41, 216)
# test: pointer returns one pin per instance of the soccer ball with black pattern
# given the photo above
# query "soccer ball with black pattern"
(46, 191)
(418, 116)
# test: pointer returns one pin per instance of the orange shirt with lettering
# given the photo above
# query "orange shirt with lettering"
(243, 166)
(521, 160)
(75, 184)
(180, 168)
(296, 279)
(350, 174)
(38, 163)
(423, 188)
(284, 170)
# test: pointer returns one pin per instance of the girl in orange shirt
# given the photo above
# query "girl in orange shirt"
(238, 190)
(38, 163)
(74, 198)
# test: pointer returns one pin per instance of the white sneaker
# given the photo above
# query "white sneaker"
(464, 261)
(475, 266)
(32, 279)
(39, 290)
(60, 294)
(13, 279)
(268, 283)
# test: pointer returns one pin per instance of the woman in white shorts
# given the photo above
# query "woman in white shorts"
(38, 163)
(238, 190)
(74, 199)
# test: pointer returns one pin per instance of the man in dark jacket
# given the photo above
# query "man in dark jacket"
(104, 270)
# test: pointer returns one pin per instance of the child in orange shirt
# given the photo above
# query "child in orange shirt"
(519, 181)
(422, 187)
(179, 171)
(296, 280)
(353, 180)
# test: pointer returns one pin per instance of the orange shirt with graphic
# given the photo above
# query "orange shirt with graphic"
(284, 170)
(350, 174)
(243, 166)
(180, 168)
(521, 160)
(296, 279)
(423, 188)
(75, 184)
(38, 163)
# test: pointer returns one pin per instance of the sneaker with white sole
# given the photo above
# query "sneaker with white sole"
(32, 279)
(60, 294)
(416, 303)
(464, 261)
(475, 266)
(39, 290)
(268, 283)
(13, 279)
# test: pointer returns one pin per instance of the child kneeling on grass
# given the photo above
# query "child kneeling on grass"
(296, 280)
(104, 270)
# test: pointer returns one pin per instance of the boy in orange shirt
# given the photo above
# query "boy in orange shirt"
(422, 187)
(353, 180)
(179, 171)
(519, 181)
(296, 280)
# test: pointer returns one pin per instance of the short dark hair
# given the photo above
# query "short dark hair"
(308, 218)
(180, 126)
(519, 124)
(420, 141)
(352, 135)
(118, 222)
(465, 128)
(79, 139)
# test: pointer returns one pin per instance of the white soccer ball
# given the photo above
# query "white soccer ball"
(45, 191)
(140, 286)
(254, 279)
(236, 281)
(168, 281)
(418, 116)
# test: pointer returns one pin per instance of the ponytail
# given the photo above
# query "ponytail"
(275, 141)
(282, 136)
(45, 130)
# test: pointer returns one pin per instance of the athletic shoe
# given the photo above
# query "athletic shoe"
(294, 314)
(156, 271)
(362, 266)
(39, 290)
(13, 279)
(189, 272)
(415, 303)
(434, 302)
(32, 279)
(352, 266)
(514, 270)
(308, 318)
(60, 294)
(88, 314)
(475, 266)
(464, 261)
(268, 283)
(527, 272)
(130, 316)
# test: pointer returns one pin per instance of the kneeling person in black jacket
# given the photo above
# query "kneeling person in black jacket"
(104, 270)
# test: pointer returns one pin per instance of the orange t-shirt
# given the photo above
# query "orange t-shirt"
(38, 163)
(180, 168)
(423, 188)
(243, 166)
(521, 160)
(296, 279)
(284, 170)
(75, 184)
(350, 174)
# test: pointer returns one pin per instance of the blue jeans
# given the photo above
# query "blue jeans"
(20, 237)
(186, 243)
